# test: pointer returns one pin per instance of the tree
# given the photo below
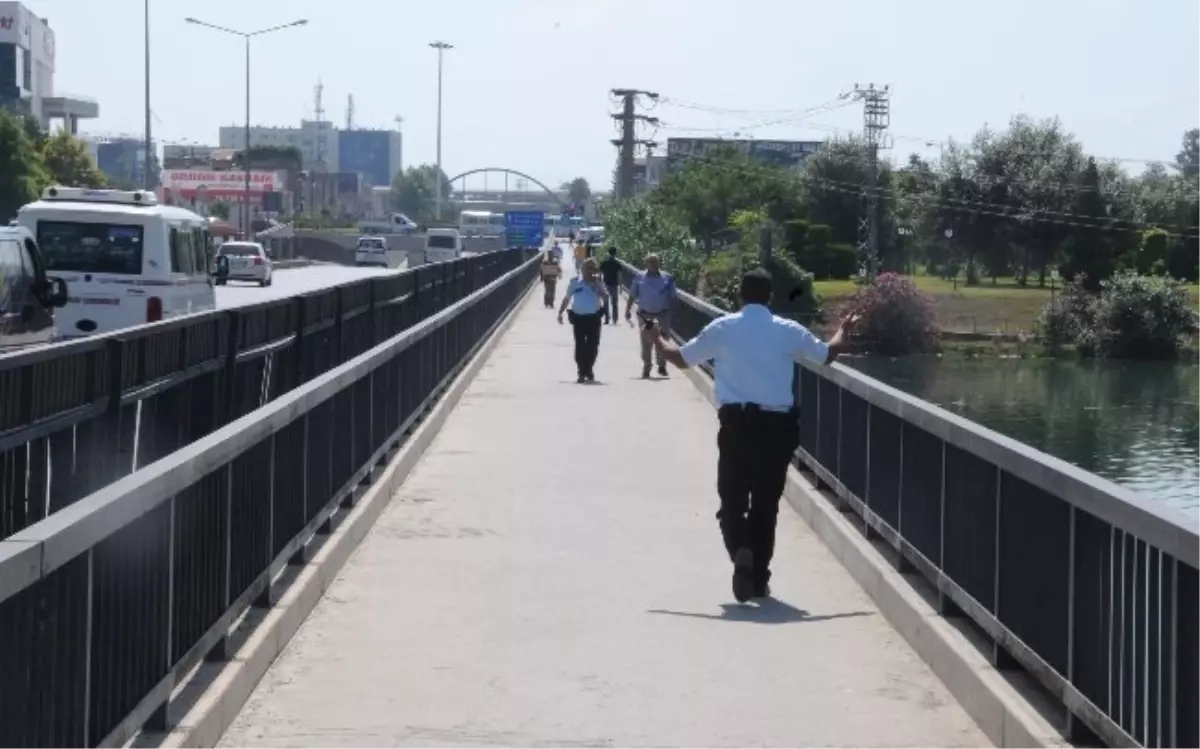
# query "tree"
(414, 192)
(706, 191)
(21, 172)
(578, 191)
(219, 209)
(1188, 159)
(67, 162)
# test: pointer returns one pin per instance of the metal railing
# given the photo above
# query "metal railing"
(107, 605)
(76, 416)
(1089, 587)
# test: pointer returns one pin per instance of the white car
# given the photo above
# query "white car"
(248, 261)
(371, 251)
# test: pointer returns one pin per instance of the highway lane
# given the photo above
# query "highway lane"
(292, 281)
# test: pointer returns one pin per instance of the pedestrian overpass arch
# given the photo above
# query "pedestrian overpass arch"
(551, 194)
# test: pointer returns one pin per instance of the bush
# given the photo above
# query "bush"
(1133, 316)
(1070, 318)
(897, 317)
(723, 275)
(1143, 316)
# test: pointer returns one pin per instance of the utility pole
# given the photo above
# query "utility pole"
(629, 118)
(441, 48)
(876, 117)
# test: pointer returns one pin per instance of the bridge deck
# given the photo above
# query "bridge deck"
(581, 597)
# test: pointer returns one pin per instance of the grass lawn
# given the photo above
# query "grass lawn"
(1004, 307)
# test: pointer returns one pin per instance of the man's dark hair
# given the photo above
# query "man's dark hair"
(756, 287)
(612, 251)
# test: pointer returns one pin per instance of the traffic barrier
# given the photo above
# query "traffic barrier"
(76, 416)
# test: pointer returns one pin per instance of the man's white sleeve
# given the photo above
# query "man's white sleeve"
(705, 346)
(805, 345)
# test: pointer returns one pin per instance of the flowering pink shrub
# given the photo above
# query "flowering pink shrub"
(897, 317)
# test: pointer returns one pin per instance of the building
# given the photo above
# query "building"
(648, 173)
(122, 159)
(375, 154)
(188, 156)
(316, 140)
(27, 71)
(787, 153)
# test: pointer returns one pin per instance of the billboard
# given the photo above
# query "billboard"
(785, 153)
(190, 184)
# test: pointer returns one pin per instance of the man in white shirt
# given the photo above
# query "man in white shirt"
(753, 353)
(586, 296)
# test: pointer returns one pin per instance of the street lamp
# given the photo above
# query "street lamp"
(246, 153)
(147, 178)
(441, 47)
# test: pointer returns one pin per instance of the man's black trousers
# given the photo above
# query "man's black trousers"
(755, 448)
(587, 341)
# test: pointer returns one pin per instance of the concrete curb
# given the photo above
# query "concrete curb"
(995, 705)
(230, 684)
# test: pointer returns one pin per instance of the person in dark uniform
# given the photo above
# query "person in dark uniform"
(753, 352)
(610, 270)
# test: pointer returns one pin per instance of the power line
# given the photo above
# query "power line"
(1020, 213)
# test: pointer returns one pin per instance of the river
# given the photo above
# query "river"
(1134, 423)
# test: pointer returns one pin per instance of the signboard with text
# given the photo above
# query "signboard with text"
(524, 228)
(193, 184)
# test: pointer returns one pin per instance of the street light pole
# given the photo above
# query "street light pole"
(441, 47)
(147, 179)
(247, 36)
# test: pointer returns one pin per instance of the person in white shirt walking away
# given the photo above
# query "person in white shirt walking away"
(754, 353)
(654, 291)
(586, 296)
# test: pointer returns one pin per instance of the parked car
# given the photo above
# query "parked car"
(248, 261)
(28, 297)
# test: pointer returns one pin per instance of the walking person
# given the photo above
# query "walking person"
(610, 271)
(654, 292)
(585, 296)
(754, 353)
(551, 272)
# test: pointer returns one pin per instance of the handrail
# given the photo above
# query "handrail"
(1087, 585)
(110, 603)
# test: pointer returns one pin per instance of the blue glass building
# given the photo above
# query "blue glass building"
(376, 154)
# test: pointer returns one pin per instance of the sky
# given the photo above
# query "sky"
(527, 84)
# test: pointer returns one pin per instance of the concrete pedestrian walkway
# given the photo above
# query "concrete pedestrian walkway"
(551, 574)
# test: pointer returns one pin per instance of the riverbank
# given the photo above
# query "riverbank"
(995, 306)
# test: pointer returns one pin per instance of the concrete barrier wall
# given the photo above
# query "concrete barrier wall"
(338, 247)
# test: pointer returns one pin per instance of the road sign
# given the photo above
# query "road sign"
(524, 228)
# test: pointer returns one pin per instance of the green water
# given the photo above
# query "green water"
(1134, 423)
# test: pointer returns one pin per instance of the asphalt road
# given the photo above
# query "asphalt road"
(292, 281)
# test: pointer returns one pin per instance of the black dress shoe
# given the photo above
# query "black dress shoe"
(743, 575)
(662, 370)
(762, 590)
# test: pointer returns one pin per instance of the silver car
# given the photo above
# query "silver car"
(248, 261)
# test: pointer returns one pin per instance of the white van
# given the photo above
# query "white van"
(442, 245)
(371, 251)
(126, 259)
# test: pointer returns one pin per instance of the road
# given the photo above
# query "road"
(292, 281)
